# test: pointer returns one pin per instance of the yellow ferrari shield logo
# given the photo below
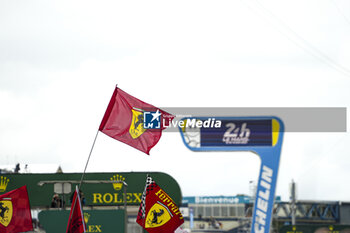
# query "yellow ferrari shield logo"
(136, 127)
(157, 216)
(5, 212)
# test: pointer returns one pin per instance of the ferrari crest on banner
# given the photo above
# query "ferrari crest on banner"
(136, 127)
(158, 213)
(15, 215)
(6, 211)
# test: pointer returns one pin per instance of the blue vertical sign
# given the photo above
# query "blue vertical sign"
(261, 135)
(191, 218)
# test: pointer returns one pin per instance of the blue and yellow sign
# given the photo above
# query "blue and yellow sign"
(261, 135)
(238, 133)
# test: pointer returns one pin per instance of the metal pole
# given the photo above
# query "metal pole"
(63, 202)
(125, 211)
(293, 202)
(87, 162)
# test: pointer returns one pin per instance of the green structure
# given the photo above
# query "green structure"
(104, 221)
(104, 194)
(41, 187)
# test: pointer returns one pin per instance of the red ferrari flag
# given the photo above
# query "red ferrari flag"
(158, 213)
(15, 213)
(133, 121)
(76, 222)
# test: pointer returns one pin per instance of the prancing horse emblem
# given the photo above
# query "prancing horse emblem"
(157, 216)
(136, 127)
(5, 212)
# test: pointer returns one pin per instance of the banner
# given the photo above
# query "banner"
(76, 222)
(158, 213)
(15, 213)
(134, 122)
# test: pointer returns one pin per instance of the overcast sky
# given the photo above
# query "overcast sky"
(60, 62)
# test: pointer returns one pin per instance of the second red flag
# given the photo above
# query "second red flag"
(124, 121)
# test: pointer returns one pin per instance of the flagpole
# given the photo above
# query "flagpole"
(92, 147)
(87, 162)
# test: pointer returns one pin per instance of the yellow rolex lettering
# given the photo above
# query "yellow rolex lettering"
(94, 228)
(116, 200)
(137, 197)
(97, 197)
(98, 228)
(128, 197)
(107, 198)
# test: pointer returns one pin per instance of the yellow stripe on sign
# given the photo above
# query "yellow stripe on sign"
(275, 131)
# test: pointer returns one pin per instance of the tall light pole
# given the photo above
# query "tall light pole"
(293, 200)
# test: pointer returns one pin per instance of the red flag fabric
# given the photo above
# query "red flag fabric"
(15, 213)
(158, 213)
(124, 121)
(76, 222)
